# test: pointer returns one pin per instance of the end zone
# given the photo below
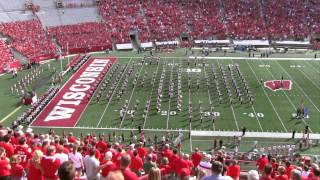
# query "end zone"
(67, 106)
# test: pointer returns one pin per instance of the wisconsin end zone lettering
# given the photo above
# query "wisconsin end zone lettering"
(66, 107)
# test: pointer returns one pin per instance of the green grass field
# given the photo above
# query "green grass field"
(272, 111)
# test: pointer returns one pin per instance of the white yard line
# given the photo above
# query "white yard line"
(132, 92)
(255, 114)
(209, 95)
(274, 109)
(317, 86)
(234, 115)
(257, 58)
(312, 66)
(105, 109)
(145, 119)
(289, 99)
(299, 87)
(168, 116)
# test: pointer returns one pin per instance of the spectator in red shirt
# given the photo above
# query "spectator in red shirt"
(167, 152)
(152, 153)
(289, 168)
(141, 150)
(136, 163)
(107, 165)
(4, 165)
(101, 145)
(124, 167)
(262, 162)
(23, 151)
(7, 146)
(234, 170)
(50, 164)
(67, 171)
(196, 157)
(165, 166)
(17, 171)
(282, 174)
(34, 166)
(71, 138)
(267, 173)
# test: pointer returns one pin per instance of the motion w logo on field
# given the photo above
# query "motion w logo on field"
(66, 107)
(275, 85)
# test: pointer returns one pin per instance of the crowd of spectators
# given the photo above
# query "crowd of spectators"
(165, 19)
(29, 38)
(244, 20)
(203, 19)
(285, 20)
(123, 17)
(52, 156)
(5, 54)
(82, 36)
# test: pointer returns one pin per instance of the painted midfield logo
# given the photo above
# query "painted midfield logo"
(275, 85)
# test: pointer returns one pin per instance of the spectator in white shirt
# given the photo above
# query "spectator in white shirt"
(91, 165)
(76, 158)
(60, 155)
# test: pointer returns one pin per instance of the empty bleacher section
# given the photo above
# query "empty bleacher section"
(83, 37)
(58, 17)
(30, 39)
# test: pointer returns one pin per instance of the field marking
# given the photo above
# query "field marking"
(234, 116)
(254, 111)
(150, 96)
(132, 92)
(95, 92)
(289, 99)
(171, 78)
(274, 109)
(209, 95)
(114, 90)
(232, 57)
(309, 79)
(298, 86)
(10, 114)
(312, 66)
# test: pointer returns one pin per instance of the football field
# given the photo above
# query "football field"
(271, 111)
(179, 93)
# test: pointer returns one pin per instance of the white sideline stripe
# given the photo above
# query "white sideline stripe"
(129, 102)
(298, 86)
(278, 135)
(289, 99)
(257, 58)
(105, 109)
(274, 109)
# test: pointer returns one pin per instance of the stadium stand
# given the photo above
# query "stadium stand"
(165, 19)
(285, 20)
(243, 19)
(122, 18)
(139, 159)
(83, 37)
(5, 55)
(203, 20)
(35, 44)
